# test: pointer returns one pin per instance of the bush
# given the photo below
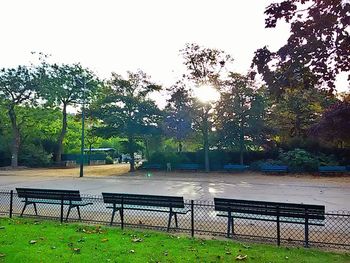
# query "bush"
(34, 156)
(168, 157)
(109, 160)
(256, 166)
(299, 160)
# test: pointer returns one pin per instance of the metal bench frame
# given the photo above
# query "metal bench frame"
(32, 196)
(270, 211)
(156, 203)
(235, 167)
(274, 168)
(188, 167)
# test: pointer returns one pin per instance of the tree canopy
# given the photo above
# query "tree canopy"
(319, 40)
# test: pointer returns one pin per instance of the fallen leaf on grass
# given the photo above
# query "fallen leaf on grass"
(241, 257)
(76, 250)
(32, 242)
(104, 239)
(136, 240)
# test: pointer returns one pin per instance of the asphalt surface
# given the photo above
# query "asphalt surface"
(334, 193)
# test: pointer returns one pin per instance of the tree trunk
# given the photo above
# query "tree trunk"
(241, 143)
(147, 149)
(179, 149)
(131, 152)
(89, 159)
(16, 139)
(206, 141)
(62, 134)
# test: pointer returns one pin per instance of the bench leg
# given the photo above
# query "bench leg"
(113, 213)
(68, 212)
(175, 215)
(228, 226)
(78, 209)
(232, 226)
(24, 208)
(35, 210)
(169, 221)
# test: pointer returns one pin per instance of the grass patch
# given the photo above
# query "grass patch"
(25, 240)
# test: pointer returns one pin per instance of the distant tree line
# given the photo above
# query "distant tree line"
(296, 102)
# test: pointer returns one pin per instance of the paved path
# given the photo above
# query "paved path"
(334, 193)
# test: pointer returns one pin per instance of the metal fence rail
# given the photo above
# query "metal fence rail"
(200, 220)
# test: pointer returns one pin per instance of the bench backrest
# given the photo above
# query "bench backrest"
(270, 208)
(235, 166)
(332, 168)
(51, 194)
(270, 167)
(152, 166)
(144, 200)
(190, 166)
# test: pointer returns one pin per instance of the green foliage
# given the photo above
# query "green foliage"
(109, 160)
(168, 157)
(126, 110)
(34, 156)
(299, 160)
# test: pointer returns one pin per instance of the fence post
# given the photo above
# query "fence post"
(306, 228)
(278, 227)
(122, 214)
(11, 203)
(61, 209)
(192, 218)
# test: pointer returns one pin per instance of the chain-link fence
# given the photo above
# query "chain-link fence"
(200, 219)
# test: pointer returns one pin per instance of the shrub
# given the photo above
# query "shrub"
(299, 160)
(256, 166)
(109, 160)
(168, 157)
(34, 156)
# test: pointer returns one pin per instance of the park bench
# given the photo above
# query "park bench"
(33, 196)
(270, 168)
(332, 169)
(152, 166)
(188, 166)
(270, 211)
(172, 205)
(235, 167)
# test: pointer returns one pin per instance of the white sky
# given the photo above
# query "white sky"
(112, 35)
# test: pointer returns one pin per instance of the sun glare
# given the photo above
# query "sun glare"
(206, 93)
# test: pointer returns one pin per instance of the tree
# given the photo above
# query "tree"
(204, 66)
(125, 109)
(297, 110)
(178, 120)
(319, 39)
(66, 85)
(334, 124)
(239, 114)
(18, 86)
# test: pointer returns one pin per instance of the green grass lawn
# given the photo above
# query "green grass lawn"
(24, 240)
